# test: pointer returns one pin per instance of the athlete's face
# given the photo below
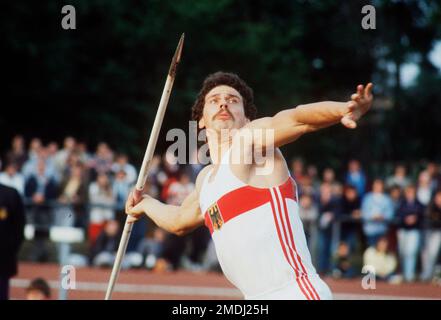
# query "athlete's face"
(223, 109)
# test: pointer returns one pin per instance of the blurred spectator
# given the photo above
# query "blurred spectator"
(399, 178)
(34, 148)
(40, 186)
(424, 192)
(38, 289)
(343, 264)
(350, 216)
(17, 155)
(122, 163)
(12, 222)
(395, 194)
(60, 158)
(312, 173)
(102, 161)
(168, 174)
(179, 190)
(435, 175)
(104, 249)
(307, 187)
(432, 237)
(197, 243)
(328, 208)
(121, 189)
(52, 150)
(73, 159)
(376, 211)
(410, 215)
(329, 178)
(83, 154)
(298, 171)
(40, 189)
(101, 201)
(308, 214)
(175, 247)
(73, 192)
(11, 177)
(379, 257)
(31, 165)
(356, 177)
(151, 248)
(154, 172)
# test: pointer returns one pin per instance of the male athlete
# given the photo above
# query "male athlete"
(251, 207)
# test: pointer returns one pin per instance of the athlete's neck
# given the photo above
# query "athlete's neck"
(218, 146)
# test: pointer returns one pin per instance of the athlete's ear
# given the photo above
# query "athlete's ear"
(201, 123)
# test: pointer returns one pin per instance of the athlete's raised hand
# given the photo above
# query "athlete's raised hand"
(359, 104)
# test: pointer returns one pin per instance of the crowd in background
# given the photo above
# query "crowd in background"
(392, 222)
(69, 186)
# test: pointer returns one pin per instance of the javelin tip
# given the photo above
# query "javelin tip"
(180, 46)
(177, 57)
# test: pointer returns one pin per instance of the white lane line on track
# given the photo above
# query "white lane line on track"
(196, 291)
(136, 288)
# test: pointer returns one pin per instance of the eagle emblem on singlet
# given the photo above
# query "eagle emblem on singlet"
(216, 219)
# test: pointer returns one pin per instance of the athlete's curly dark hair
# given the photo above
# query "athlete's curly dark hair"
(228, 79)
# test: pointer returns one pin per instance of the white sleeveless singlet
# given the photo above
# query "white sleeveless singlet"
(259, 237)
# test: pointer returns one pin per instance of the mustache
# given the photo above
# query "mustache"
(223, 111)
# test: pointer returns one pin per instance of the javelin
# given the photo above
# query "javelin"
(142, 176)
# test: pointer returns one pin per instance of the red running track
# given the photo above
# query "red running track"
(142, 284)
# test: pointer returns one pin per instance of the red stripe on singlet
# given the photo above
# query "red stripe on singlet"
(275, 202)
(289, 192)
(237, 202)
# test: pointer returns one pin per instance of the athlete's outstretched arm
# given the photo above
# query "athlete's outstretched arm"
(322, 114)
(288, 125)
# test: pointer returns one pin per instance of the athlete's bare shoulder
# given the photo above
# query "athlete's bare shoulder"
(201, 176)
